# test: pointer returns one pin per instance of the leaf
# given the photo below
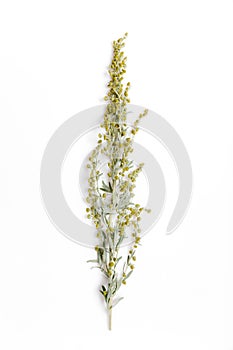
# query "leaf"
(114, 275)
(128, 274)
(110, 242)
(108, 296)
(128, 259)
(98, 257)
(114, 287)
(92, 261)
(104, 295)
(110, 186)
(104, 185)
(118, 260)
(119, 284)
(105, 190)
(119, 241)
(116, 302)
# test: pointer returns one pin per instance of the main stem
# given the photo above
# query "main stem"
(110, 225)
(110, 315)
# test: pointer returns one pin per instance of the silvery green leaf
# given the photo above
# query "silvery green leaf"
(128, 274)
(114, 287)
(118, 260)
(119, 241)
(100, 256)
(116, 301)
(108, 296)
(119, 283)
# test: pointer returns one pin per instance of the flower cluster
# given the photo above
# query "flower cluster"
(117, 94)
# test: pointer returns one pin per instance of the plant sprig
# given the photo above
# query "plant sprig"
(111, 190)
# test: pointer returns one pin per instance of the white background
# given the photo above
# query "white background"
(53, 59)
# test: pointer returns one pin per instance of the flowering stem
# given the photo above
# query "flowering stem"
(111, 206)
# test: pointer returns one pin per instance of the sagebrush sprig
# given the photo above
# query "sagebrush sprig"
(112, 177)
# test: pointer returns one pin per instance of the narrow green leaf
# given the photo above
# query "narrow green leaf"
(105, 190)
(128, 259)
(128, 274)
(110, 186)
